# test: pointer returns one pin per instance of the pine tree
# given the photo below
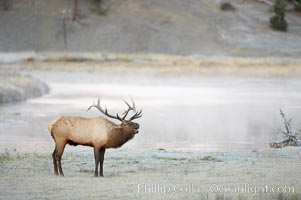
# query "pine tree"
(278, 21)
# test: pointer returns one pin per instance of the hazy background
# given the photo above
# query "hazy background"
(209, 75)
(190, 27)
(206, 98)
(178, 112)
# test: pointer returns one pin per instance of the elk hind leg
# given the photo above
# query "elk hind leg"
(54, 162)
(60, 146)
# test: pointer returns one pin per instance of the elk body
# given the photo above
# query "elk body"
(99, 133)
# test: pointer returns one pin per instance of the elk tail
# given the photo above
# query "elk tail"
(51, 124)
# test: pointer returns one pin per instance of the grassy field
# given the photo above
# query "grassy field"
(153, 174)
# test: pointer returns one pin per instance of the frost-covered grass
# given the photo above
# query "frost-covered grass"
(210, 158)
(29, 175)
(13, 156)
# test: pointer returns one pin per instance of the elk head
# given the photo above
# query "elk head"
(128, 127)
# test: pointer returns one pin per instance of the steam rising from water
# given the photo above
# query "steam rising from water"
(208, 114)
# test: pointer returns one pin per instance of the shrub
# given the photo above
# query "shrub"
(100, 9)
(278, 21)
(5, 4)
(298, 5)
(225, 5)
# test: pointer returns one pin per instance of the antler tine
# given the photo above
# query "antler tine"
(127, 105)
(137, 115)
(129, 109)
(105, 112)
(132, 107)
(91, 106)
(133, 104)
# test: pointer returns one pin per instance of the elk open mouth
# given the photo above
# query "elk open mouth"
(136, 131)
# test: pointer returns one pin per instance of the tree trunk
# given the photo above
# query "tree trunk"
(75, 9)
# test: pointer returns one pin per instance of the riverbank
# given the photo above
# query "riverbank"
(15, 86)
(154, 64)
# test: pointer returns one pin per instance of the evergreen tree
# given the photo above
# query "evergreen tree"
(278, 21)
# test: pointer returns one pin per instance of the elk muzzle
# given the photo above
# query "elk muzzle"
(136, 128)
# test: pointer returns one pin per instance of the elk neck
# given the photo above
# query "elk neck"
(117, 137)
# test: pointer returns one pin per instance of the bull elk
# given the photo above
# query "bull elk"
(98, 132)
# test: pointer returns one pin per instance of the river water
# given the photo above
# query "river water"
(179, 112)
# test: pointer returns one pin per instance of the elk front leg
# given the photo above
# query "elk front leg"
(97, 158)
(101, 156)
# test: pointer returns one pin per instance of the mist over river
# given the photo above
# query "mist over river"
(183, 112)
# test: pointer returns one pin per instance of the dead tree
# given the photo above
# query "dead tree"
(290, 137)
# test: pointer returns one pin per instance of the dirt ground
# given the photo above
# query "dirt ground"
(201, 137)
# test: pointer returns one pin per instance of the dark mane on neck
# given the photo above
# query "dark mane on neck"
(117, 137)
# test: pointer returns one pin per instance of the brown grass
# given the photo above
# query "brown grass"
(165, 64)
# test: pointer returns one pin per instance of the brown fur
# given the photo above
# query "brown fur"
(98, 133)
(118, 137)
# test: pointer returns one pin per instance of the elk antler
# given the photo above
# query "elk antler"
(104, 111)
(133, 108)
(136, 115)
(129, 109)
